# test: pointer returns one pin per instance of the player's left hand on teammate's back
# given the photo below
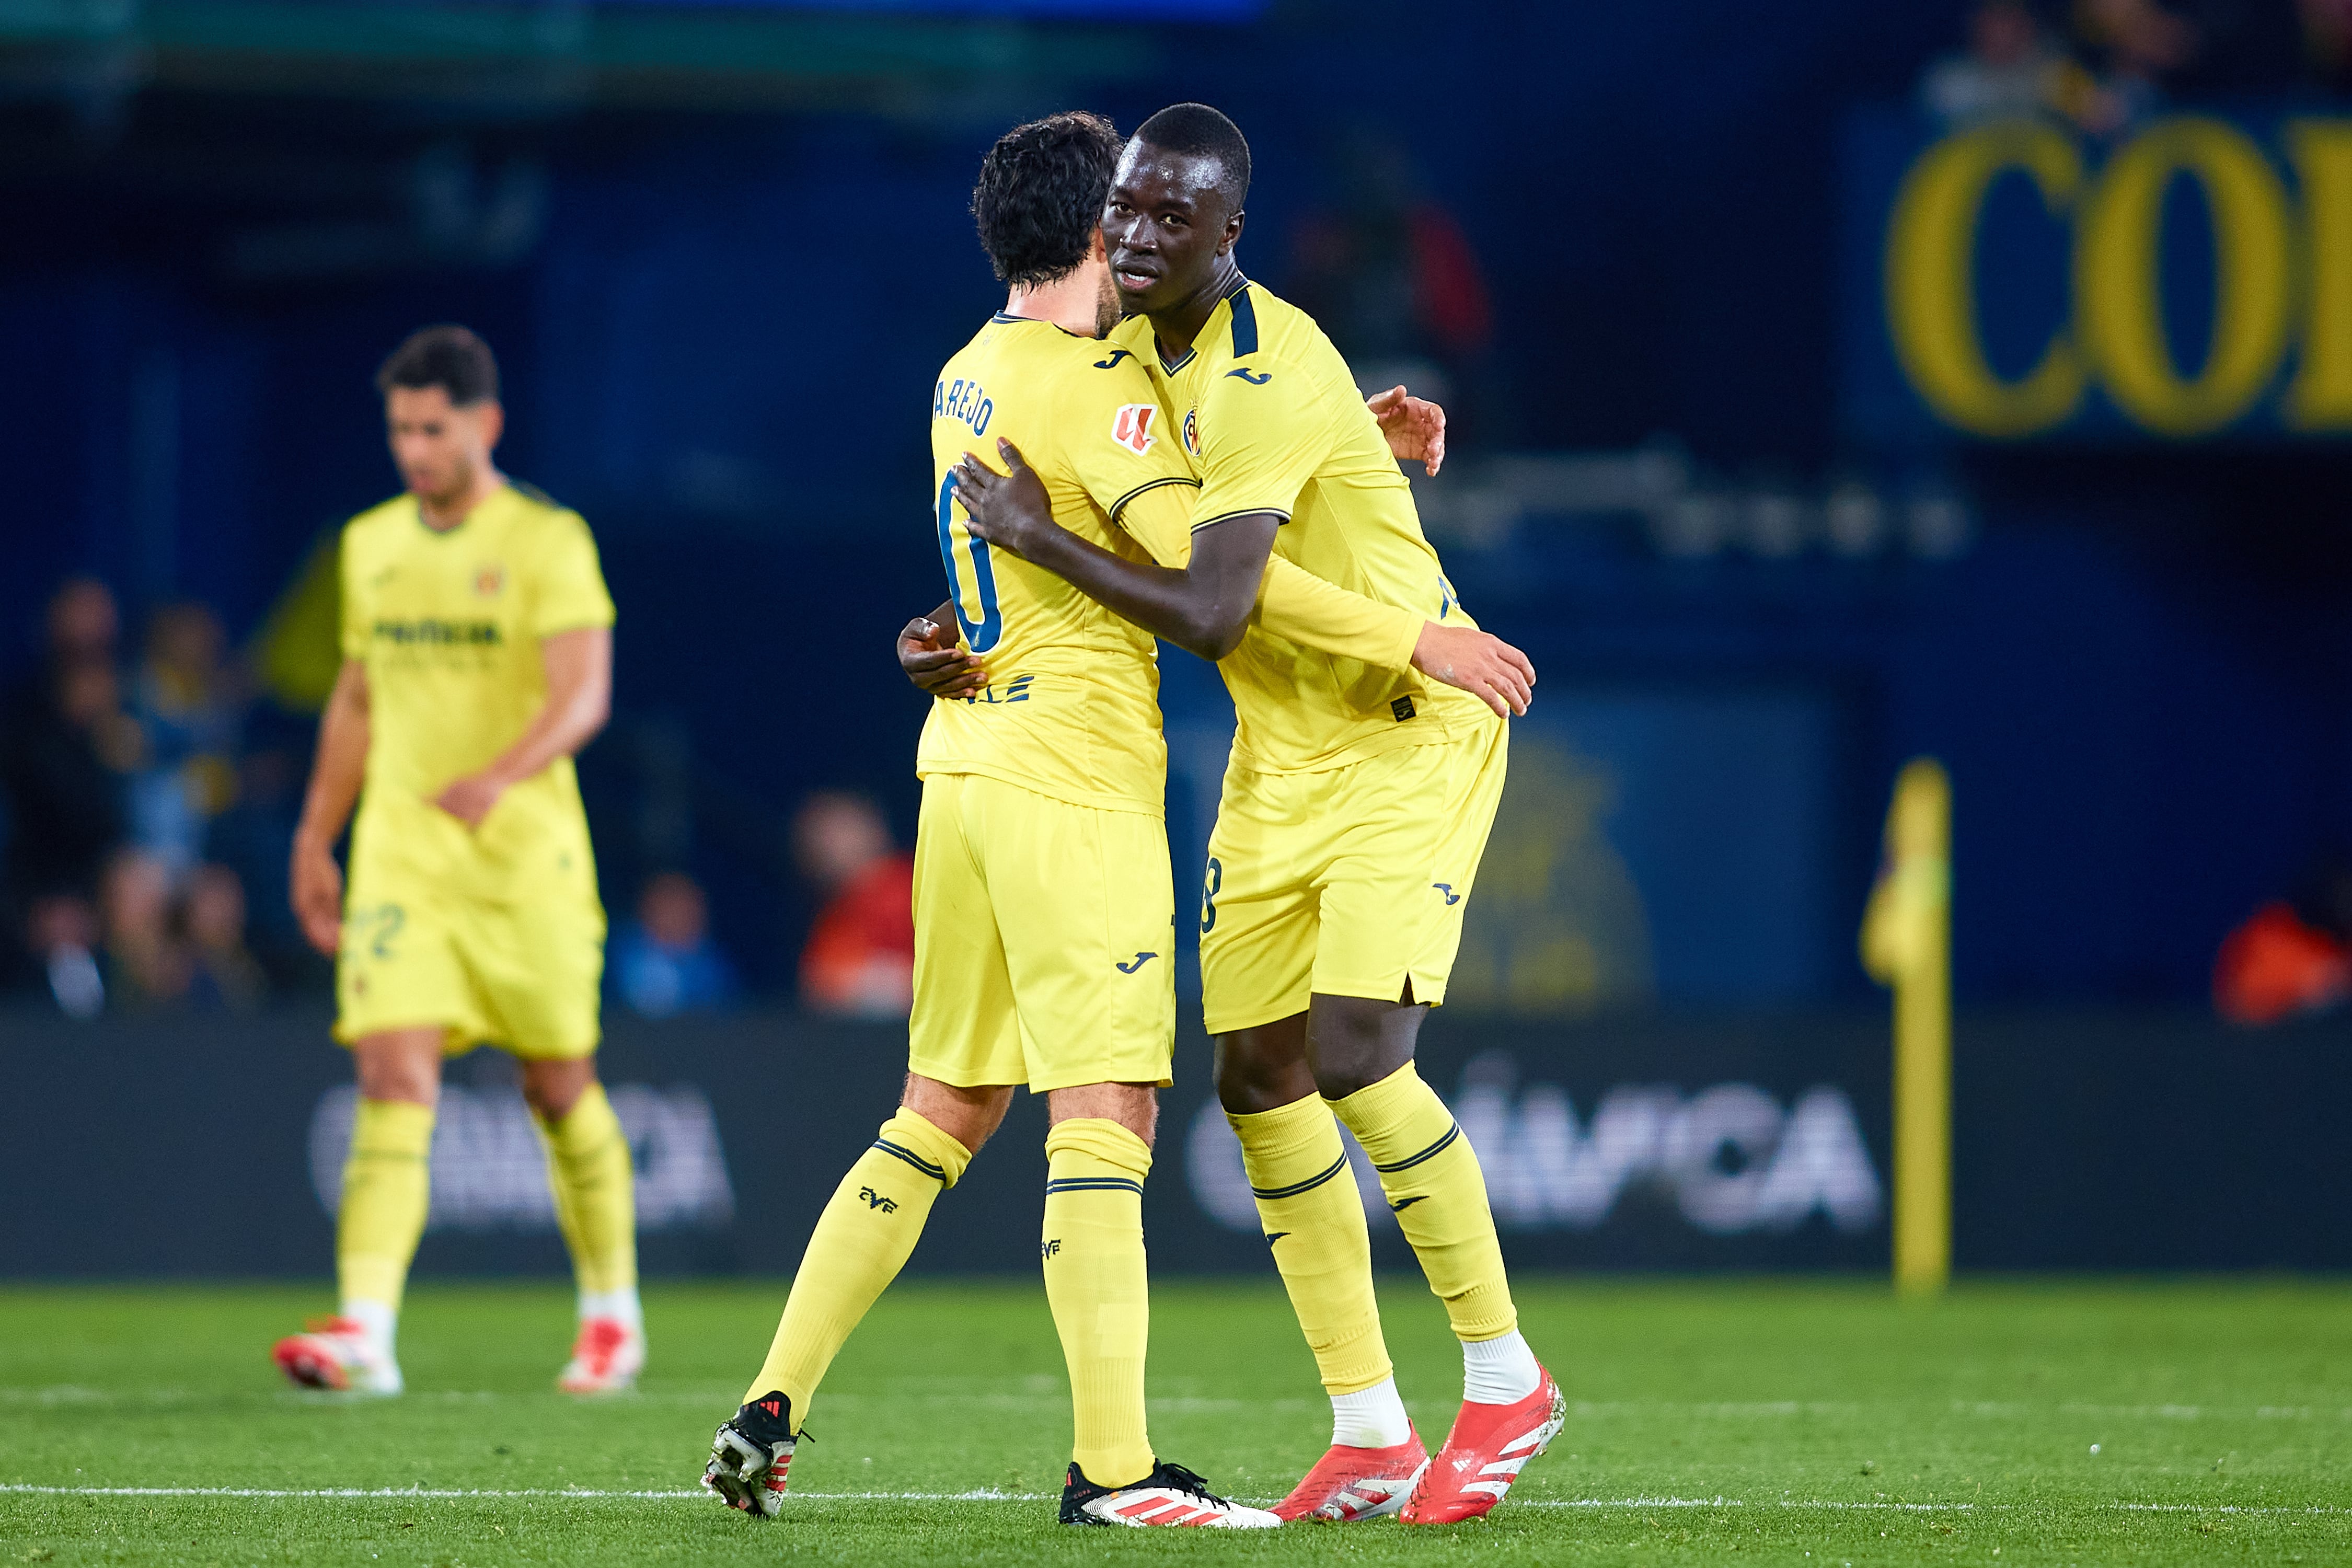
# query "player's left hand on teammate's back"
(469, 799)
(1478, 662)
(929, 655)
(1415, 427)
(1011, 509)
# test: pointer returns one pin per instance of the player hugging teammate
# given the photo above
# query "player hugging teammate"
(1208, 475)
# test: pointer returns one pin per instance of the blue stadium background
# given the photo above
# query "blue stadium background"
(722, 249)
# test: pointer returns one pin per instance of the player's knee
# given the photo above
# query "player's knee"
(552, 1088)
(1252, 1078)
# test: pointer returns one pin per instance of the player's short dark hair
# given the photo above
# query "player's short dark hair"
(1040, 195)
(450, 357)
(1199, 131)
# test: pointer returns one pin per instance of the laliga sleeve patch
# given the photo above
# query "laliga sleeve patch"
(1131, 426)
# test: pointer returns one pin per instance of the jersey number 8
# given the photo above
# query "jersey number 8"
(979, 635)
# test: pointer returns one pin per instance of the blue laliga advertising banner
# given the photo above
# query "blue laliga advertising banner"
(2189, 278)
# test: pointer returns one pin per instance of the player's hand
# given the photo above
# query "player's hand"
(1485, 665)
(929, 654)
(1011, 509)
(1414, 426)
(318, 894)
(469, 799)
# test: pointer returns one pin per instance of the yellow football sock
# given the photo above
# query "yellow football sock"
(1096, 1283)
(861, 1241)
(595, 1192)
(1314, 1221)
(1433, 1181)
(386, 1186)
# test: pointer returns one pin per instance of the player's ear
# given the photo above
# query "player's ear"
(1095, 249)
(493, 416)
(1232, 234)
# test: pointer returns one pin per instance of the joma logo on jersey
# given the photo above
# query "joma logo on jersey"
(1131, 426)
(490, 581)
(1193, 431)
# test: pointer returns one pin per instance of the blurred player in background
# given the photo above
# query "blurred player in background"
(478, 658)
(1356, 808)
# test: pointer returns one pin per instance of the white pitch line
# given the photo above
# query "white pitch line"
(992, 1495)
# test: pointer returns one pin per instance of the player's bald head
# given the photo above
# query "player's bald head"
(1197, 132)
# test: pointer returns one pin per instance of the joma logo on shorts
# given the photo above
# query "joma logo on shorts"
(875, 1200)
(1138, 961)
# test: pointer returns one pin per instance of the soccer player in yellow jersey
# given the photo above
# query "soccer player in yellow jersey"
(1356, 807)
(1042, 901)
(477, 656)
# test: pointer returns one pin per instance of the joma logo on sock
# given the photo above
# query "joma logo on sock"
(875, 1200)
(1047, 1248)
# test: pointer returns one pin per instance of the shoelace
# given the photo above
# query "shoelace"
(1178, 1479)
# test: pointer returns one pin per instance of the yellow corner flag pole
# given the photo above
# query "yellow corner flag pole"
(1907, 943)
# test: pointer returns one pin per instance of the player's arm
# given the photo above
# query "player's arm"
(1202, 608)
(579, 666)
(930, 656)
(336, 774)
(1301, 607)
(1202, 595)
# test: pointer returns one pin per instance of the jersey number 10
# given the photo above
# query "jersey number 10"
(982, 634)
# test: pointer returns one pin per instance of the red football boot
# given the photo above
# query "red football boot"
(1483, 1455)
(1348, 1484)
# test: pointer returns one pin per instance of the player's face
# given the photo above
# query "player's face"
(1166, 224)
(439, 445)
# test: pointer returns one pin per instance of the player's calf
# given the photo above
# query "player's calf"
(750, 1455)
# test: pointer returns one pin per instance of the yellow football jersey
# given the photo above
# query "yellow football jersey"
(1267, 411)
(1072, 705)
(449, 627)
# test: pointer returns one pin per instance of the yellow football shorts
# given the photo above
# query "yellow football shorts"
(522, 976)
(1044, 937)
(1350, 882)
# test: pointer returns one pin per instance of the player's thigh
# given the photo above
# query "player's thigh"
(962, 1030)
(1258, 900)
(1085, 905)
(399, 967)
(1474, 781)
(539, 970)
(1382, 898)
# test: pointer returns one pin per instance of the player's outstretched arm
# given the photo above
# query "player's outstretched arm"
(579, 665)
(1202, 608)
(930, 656)
(1415, 427)
(317, 889)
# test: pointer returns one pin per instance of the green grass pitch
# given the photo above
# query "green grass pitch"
(1817, 1424)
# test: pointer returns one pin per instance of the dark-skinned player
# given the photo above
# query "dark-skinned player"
(1356, 808)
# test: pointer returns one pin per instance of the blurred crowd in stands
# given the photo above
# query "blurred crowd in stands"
(2104, 66)
(146, 807)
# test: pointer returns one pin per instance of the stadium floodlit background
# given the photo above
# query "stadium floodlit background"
(1831, 382)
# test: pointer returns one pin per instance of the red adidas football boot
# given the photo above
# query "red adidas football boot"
(1348, 1484)
(1483, 1455)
